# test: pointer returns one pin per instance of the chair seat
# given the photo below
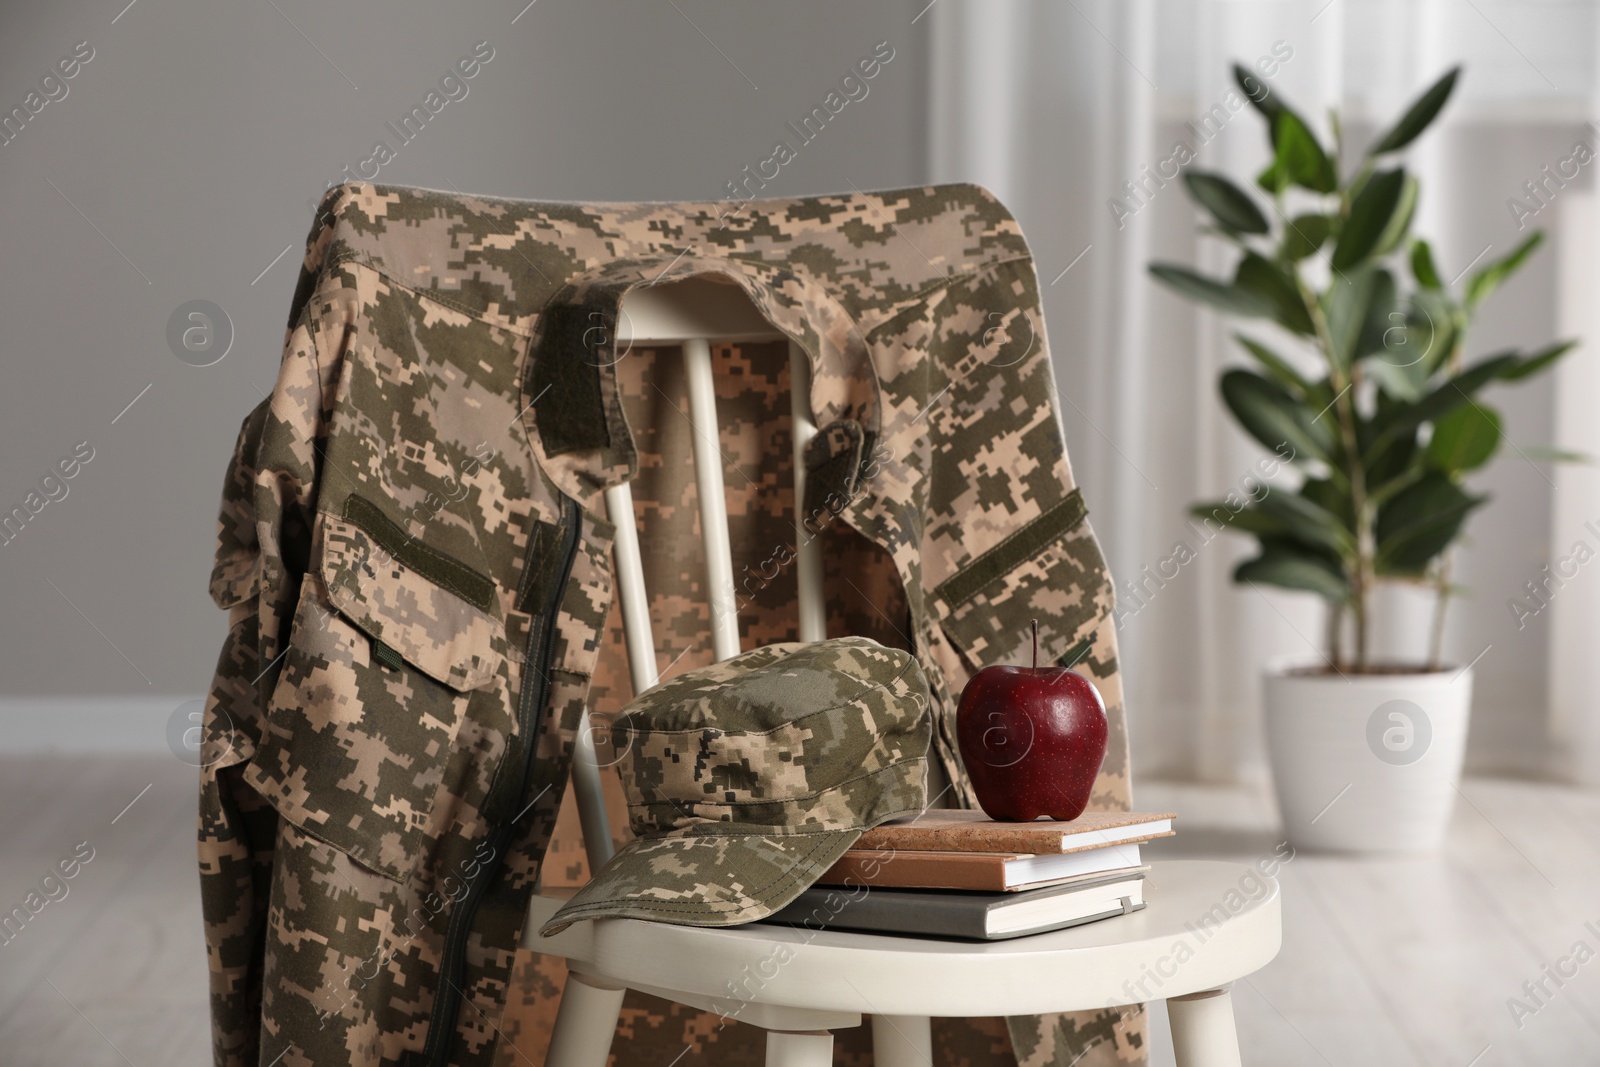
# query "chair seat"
(1205, 924)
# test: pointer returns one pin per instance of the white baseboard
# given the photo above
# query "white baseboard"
(123, 724)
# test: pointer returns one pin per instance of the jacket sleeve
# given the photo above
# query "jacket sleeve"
(1008, 539)
(262, 550)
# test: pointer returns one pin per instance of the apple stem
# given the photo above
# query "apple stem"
(1036, 644)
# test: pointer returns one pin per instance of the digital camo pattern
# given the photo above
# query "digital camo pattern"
(1101, 1038)
(359, 781)
(748, 778)
(448, 639)
(774, 737)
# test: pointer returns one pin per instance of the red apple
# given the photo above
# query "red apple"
(1033, 739)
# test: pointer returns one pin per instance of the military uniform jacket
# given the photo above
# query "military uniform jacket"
(416, 562)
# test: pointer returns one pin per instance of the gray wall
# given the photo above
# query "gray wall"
(195, 142)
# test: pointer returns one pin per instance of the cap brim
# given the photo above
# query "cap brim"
(721, 879)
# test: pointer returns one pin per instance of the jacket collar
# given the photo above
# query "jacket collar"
(571, 406)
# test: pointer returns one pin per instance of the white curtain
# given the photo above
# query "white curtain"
(1057, 107)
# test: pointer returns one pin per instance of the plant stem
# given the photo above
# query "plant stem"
(1338, 141)
(1442, 579)
(1335, 636)
(1442, 592)
(1344, 405)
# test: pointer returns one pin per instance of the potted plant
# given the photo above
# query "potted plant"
(1380, 414)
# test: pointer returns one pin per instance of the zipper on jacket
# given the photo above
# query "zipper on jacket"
(534, 695)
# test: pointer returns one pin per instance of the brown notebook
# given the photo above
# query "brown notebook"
(963, 830)
(994, 872)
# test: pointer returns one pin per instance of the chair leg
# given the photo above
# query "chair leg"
(1203, 1033)
(798, 1048)
(585, 1022)
(902, 1040)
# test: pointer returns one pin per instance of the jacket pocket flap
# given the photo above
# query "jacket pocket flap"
(1051, 570)
(429, 619)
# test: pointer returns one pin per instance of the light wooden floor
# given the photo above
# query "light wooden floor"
(1407, 961)
(1412, 961)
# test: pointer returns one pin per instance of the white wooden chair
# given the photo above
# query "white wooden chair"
(800, 984)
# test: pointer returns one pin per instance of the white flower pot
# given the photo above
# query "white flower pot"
(1367, 763)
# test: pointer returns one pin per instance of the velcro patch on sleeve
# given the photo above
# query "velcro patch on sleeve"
(833, 461)
(565, 377)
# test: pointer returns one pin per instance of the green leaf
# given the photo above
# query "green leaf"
(1370, 215)
(1392, 360)
(1556, 455)
(1262, 98)
(1381, 491)
(1307, 521)
(1330, 498)
(1422, 267)
(1420, 522)
(1243, 520)
(1442, 400)
(1395, 465)
(1402, 381)
(1345, 306)
(1400, 221)
(1219, 295)
(1384, 324)
(1430, 328)
(1272, 416)
(1273, 179)
(1304, 235)
(1263, 278)
(1300, 158)
(1290, 568)
(1418, 116)
(1464, 439)
(1320, 396)
(1276, 366)
(1538, 361)
(1357, 182)
(1233, 209)
(1489, 278)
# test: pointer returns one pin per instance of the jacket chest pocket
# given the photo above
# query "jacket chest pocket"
(390, 712)
(1051, 570)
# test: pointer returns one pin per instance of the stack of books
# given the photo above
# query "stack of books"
(954, 873)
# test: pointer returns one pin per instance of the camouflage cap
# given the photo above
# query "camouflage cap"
(746, 780)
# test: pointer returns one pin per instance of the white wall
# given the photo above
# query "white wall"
(1102, 87)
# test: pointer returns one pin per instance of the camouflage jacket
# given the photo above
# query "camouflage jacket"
(415, 558)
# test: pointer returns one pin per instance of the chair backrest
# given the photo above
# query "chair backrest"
(693, 314)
